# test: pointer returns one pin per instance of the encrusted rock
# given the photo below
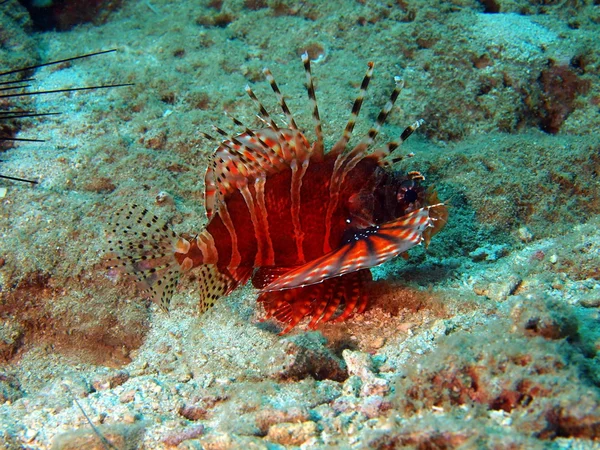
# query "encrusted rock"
(306, 355)
(345, 403)
(127, 396)
(111, 380)
(120, 436)
(499, 290)
(292, 433)
(352, 386)
(177, 437)
(226, 441)
(374, 405)
(11, 337)
(360, 365)
(10, 390)
(193, 412)
(266, 418)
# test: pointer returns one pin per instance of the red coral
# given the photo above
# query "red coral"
(64, 15)
(560, 86)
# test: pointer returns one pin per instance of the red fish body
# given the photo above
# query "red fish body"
(305, 225)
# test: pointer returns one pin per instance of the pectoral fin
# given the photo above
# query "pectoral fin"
(368, 248)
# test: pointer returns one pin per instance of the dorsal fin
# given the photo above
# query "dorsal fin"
(241, 159)
(141, 245)
(340, 145)
(318, 147)
(346, 161)
(282, 103)
(389, 148)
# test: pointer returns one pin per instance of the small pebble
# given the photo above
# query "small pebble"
(524, 234)
(127, 396)
(185, 377)
(129, 418)
(30, 435)
(378, 342)
(164, 198)
(592, 302)
(292, 433)
(193, 412)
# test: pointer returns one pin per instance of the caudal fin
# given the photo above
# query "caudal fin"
(141, 245)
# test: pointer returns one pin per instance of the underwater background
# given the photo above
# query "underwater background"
(487, 339)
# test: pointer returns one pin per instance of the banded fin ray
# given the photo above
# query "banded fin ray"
(144, 250)
(373, 247)
(241, 159)
(334, 300)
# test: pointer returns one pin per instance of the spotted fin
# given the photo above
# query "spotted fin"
(368, 249)
(141, 245)
(213, 285)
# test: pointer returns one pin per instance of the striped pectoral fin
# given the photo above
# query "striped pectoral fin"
(439, 215)
(265, 275)
(368, 248)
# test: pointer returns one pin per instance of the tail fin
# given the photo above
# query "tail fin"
(141, 245)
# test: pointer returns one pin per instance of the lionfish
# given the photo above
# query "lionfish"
(303, 224)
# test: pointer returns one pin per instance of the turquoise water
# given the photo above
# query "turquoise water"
(487, 339)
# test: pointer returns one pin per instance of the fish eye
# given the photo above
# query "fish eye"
(410, 195)
(407, 192)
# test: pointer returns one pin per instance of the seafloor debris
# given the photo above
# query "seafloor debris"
(463, 370)
(16, 85)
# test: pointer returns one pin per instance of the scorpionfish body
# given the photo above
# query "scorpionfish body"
(303, 224)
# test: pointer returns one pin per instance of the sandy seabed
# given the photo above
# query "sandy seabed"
(489, 339)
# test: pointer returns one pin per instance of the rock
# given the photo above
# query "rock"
(10, 390)
(123, 437)
(524, 234)
(185, 434)
(11, 337)
(498, 291)
(374, 406)
(111, 380)
(360, 365)
(345, 403)
(266, 418)
(305, 355)
(292, 433)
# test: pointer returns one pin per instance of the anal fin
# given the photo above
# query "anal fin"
(215, 284)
